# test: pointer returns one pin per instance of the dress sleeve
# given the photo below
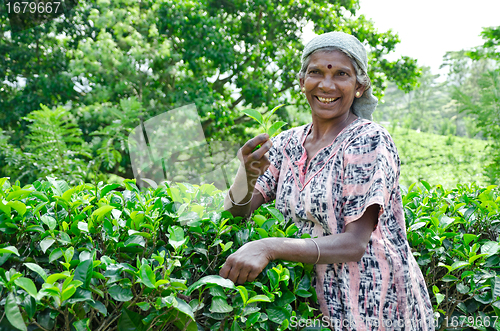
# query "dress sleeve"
(267, 183)
(371, 173)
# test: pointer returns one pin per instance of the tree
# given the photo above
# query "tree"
(426, 108)
(478, 94)
(34, 67)
(221, 55)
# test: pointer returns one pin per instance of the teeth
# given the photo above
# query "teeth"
(326, 99)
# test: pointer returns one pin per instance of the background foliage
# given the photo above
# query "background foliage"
(464, 103)
(221, 55)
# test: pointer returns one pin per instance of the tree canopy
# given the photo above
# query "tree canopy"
(221, 55)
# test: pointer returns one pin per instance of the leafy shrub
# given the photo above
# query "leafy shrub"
(54, 147)
(107, 257)
(454, 235)
(110, 257)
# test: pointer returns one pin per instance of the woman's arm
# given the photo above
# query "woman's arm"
(253, 164)
(249, 261)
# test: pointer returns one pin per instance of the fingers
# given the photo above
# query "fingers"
(240, 272)
(224, 271)
(252, 143)
(258, 154)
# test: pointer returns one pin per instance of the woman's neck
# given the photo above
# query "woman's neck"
(327, 131)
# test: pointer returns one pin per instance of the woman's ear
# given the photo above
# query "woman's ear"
(360, 89)
(301, 81)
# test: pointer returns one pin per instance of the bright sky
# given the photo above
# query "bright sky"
(430, 28)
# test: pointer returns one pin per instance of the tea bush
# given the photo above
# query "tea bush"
(109, 257)
(454, 235)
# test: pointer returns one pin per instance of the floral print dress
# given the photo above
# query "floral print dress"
(386, 289)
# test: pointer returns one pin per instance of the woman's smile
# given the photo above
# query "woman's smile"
(326, 101)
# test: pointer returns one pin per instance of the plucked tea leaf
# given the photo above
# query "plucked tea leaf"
(275, 127)
(254, 114)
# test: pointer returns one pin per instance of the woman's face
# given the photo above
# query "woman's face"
(330, 84)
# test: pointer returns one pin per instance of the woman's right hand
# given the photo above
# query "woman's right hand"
(255, 163)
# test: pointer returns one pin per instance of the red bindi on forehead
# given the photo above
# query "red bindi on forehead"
(329, 66)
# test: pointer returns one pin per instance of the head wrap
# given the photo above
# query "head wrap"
(366, 104)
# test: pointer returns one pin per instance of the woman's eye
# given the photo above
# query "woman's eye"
(313, 71)
(342, 73)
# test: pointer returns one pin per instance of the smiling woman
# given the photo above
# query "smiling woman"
(337, 178)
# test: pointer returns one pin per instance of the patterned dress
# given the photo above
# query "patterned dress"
(386, 289)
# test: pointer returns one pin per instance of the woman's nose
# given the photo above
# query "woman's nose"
(327, 84)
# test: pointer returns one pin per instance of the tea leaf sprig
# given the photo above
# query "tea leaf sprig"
(270, 129)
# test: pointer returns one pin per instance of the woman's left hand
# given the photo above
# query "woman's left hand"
(247, 262)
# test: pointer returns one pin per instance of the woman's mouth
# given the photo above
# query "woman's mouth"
(326, 101)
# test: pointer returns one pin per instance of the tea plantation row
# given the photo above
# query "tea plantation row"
(111, 257)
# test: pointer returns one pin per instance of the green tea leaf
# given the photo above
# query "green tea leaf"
(9, 249)
(68, 254)
(273, 278)
(13, 314)
(276, 213)
(259, 298)
(449, 278)
(135, 241)
(49, 221)
(36, 268)
(82, 325)
(18, 206)
(55, 254)
(28, 285)
(108, 188)
(58, 186)
(427, 186)
(459, 264)
(211, 279)
(183, 316)
(130, 321)
(275, 109)
(55, 277)
(275, 127)
(84, 272)
(29, 305)
(19, 194)
(490, 248)
(119, 293)
(68, 292)
(259, 219)
(254, 114)
(277, 314)
(147, 276)
(102, 211)
(496, 288)
(144, 306)
(99, 306)
(220, 305)
(244, 293)
(262, 232)
(176, 237)
(46, 243)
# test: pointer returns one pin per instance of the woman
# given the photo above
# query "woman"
(337, 178)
